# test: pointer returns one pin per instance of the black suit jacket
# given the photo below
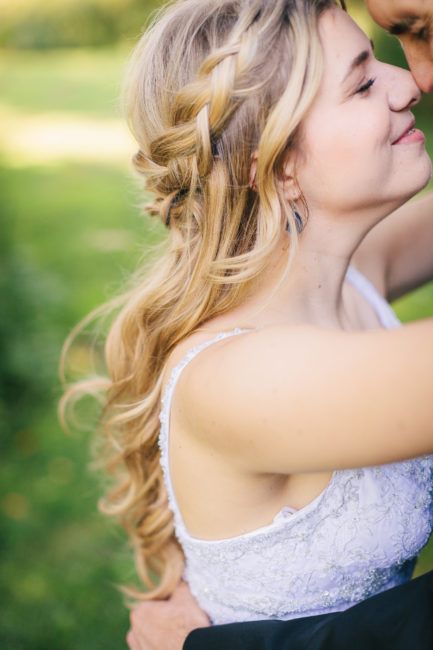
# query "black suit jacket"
(397, 619)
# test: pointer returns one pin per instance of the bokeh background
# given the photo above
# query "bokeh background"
(70, 232)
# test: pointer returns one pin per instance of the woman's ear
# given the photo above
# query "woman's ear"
(289, 184)
(253, 171)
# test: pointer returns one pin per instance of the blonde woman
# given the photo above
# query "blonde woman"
(270, 418)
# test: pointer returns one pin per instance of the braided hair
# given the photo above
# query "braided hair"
(211, 82)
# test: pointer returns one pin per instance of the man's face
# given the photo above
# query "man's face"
(412, 22)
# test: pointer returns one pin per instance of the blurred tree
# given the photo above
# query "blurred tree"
(28, 298)
(71, 23)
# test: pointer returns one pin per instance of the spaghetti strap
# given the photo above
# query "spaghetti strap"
(382, 308)
(166, 408)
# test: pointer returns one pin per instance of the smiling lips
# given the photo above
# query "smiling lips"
(411, 135)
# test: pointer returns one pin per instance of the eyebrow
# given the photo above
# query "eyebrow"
(404, 25)
(358, 60)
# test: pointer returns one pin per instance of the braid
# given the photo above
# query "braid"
(211, 83)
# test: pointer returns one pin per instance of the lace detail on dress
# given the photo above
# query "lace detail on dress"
(358, 537)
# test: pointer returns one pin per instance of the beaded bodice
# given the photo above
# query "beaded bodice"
(360, 536)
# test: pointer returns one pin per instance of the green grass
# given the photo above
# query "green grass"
(71, 231)
(63, 558)
(80, 81)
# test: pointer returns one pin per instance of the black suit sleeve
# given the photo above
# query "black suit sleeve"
(397, 619)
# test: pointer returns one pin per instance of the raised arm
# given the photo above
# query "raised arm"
(401, 248)
(302, 399)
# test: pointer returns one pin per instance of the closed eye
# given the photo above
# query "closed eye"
(365, 86)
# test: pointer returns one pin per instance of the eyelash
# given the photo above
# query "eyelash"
(422, 34)
(366, 86)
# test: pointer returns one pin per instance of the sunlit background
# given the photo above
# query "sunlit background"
(71, 231)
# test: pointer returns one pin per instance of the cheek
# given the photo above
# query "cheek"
(355, 150)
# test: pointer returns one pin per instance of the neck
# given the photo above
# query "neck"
(312, 290)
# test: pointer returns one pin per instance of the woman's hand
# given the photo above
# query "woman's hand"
(165, 624)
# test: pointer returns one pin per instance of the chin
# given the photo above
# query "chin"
(429, 175)
(423, 178)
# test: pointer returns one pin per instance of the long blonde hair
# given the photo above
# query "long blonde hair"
(210, 83)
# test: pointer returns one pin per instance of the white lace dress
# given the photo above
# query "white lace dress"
(360, 536)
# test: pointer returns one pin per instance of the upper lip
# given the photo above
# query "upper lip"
(408, 127)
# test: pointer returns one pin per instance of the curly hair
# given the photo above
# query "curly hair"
(211, 83)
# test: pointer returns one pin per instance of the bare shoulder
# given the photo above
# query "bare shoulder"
(245, 377)
(280, 358)
(242, 358)
(271, 398)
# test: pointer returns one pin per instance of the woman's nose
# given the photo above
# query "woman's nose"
(403, 92)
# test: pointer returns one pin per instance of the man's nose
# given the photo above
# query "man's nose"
(423, 75)
(420, 60)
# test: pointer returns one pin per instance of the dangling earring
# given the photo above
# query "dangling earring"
(298, 219)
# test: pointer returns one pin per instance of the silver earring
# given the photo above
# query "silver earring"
(298, 219)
